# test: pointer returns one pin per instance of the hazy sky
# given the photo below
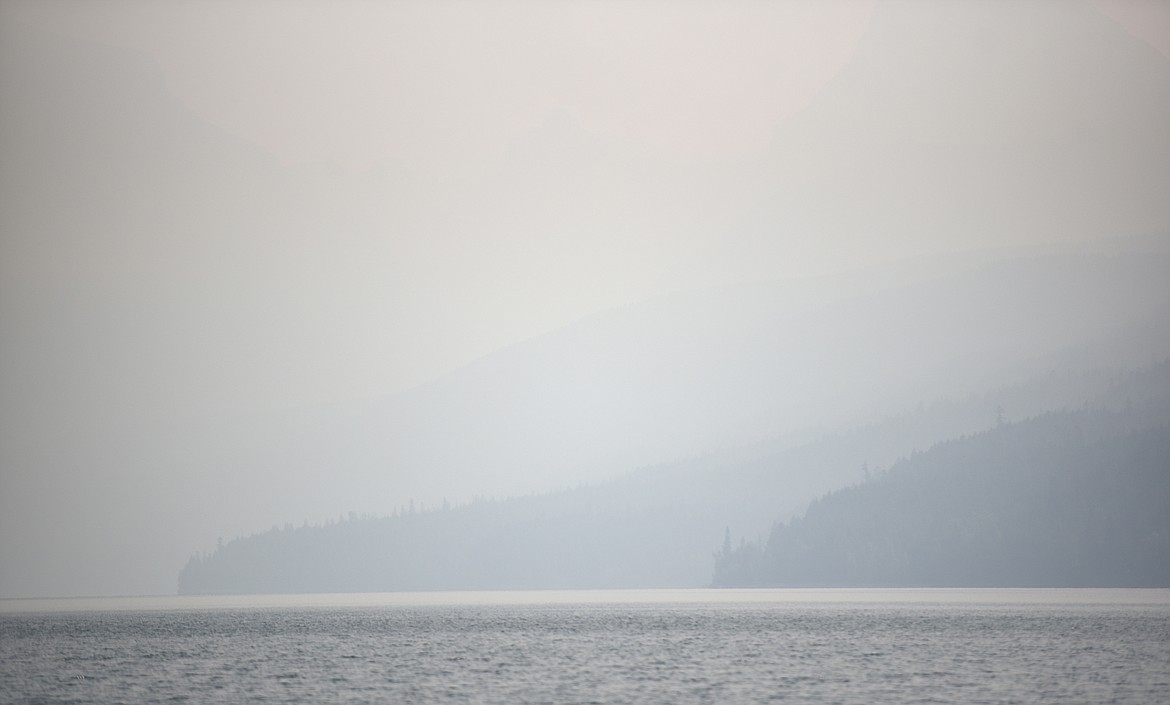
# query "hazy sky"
(655, 117)
(448, 87)
(441, 99)
(218, 213)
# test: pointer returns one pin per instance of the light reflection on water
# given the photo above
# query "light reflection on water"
(720, 596)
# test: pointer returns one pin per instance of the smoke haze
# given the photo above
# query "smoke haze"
(263, 263)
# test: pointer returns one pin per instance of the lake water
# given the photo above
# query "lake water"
(682, 646)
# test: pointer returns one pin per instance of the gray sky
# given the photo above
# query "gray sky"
(219, 216)
(442, 100)
(420, 123)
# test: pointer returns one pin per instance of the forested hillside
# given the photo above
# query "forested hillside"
(651, 528)
(1064, 499)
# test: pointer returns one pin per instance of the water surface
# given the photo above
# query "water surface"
(691, 646)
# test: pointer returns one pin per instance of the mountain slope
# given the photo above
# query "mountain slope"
(963, 121)
(654, 527)
(683, 375)
(1062, 500)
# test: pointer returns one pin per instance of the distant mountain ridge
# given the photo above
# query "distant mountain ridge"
(656, 527)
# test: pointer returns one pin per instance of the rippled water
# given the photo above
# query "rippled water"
(706, 647)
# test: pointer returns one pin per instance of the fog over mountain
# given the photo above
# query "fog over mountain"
(659, 526)
(262, 265)
(686, 374)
